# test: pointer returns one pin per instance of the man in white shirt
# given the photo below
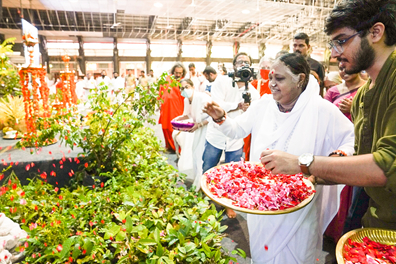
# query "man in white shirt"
(103, 78)
(227, 92)
(89, 85)
(210, 75)
(196, 78)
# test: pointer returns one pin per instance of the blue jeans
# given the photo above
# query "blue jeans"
(212, 155)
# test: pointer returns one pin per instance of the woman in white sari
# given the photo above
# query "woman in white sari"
(294, 119)
(193, 104)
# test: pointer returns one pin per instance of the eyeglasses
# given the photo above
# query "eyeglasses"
(184, 87)
(338, 44)
(242, 62)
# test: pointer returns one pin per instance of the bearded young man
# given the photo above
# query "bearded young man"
(363, 37)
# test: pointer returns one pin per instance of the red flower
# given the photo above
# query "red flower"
(266, 247)
(101, 184)
(102, 221)
(59, 248)
(60, 197)
(56, 189)
(35, 207)
(84, 251)
(86, 164)
(27, 167)
(65, 137)
(124, 221)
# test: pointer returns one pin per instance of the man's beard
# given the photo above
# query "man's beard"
(363, 59)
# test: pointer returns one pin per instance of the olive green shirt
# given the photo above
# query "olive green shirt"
(374, 116)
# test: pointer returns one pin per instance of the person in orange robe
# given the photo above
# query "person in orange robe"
(263, 89)
(172, 105)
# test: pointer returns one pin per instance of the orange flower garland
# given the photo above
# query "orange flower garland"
(32, 98)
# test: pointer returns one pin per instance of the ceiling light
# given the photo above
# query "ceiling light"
(158, 4)
(245, 11)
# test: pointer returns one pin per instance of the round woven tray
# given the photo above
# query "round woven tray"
(228, 202)
(383, 236)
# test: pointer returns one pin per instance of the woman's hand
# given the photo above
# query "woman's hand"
(345, 105)
(280, 162)
(213, 110)
(195, 127)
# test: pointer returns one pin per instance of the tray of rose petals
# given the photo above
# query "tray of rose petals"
(248, 187)
(182, 125)
(367, 246)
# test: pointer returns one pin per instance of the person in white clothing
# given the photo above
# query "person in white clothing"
(103, 78)
(193, 104)
(294, 119)
(227, 92)
(89, 85)
(196, 77)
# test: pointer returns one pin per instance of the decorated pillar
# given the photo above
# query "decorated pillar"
(81, 54)
(209, 45)
(236, 47)
(179, 49)
(262, 48)
(148, 56)
(116, 60)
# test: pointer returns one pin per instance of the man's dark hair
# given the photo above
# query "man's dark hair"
(191, 65)
(297, 64)
(361, 15)
(178, 65)
(240, 54)
(303, 36)
(115, 72)
(224, 69)
(209, 69)
(142, 71)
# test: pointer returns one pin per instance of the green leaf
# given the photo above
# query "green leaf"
(209, 237)
(239, 252)
(76, 251)
(190, 246)
(88, 245)
(121, 236)
(147, 242)
(66, 247)
(128, 224)
(157, 235)
(160, 250)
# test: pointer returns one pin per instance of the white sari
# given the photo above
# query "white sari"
(195, 152)
(313, 126)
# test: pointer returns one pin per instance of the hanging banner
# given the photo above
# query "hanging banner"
(30, 37)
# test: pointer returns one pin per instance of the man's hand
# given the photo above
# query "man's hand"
(213, 110)
(280, 162)
(345, 105)
(243, 106)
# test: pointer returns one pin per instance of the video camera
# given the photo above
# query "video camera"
(243, 74)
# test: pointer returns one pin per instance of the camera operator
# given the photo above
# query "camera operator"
(233, 94)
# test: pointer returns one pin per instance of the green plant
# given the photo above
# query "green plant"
(9, 78)
(138, 216)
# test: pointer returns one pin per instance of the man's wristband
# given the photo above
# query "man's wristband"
(339, 153)
(221, 119)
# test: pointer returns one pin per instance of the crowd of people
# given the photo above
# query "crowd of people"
(335, 128)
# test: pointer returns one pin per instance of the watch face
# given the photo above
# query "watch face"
(305, 158)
